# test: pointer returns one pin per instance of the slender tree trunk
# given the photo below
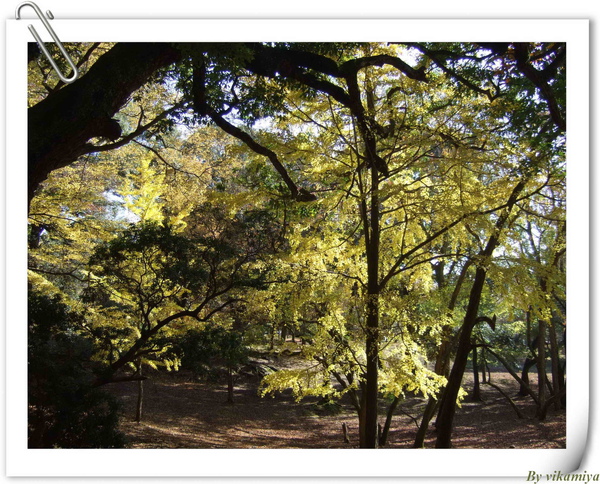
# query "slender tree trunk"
(272, 337)
(562, 372)
(442, 362)
(448, 403)
(372, 323)
(140, 399)
(388, 422)
(529, 362)
(556, 386)
(563, 385)
(484, 367)
(476, 395)
(362, 428)
(428, 413)
(345, 431)
(229, 385)
(541, 364)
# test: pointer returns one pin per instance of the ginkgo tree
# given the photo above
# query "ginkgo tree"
(375, 234)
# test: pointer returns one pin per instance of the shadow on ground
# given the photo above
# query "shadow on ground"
(179, 413)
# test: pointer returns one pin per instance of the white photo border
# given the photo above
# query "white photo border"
(284, 462)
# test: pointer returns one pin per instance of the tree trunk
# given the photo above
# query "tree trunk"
(388, 422)
(554, 358)
(529, 362)
(442, 362)
(140, 399)
(541, 364)
(362, 430)
(448, 404)
(229, 385)
(562, 370)
(372, 385)
(476, 394)
(345, 431)
(370, 221)
(428, 413)
(272, 337)
(485, 370)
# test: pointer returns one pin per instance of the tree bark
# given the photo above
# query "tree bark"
(388, 422)
(428, 413)
(541, 365)
(372, 323)
(448, 403)
(229, 385)
(362, 428)
(554, 359)
(529, 362)
(61, 125)
(442, 361)
(140, 399)
(476, 395)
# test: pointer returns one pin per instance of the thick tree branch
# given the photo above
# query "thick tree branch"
(139, 130)
(61, 125)
(354, 65)
(539, 80)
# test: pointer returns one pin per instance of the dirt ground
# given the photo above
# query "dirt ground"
(182, 413)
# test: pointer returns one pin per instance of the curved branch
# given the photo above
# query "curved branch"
(141, 128)
(433, 55)
(354, 65)
(204, 109)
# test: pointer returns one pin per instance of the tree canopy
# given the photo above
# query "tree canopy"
(382, 200)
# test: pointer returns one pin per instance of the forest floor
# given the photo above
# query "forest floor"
(182, 413)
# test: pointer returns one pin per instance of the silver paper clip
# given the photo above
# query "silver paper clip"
(39, 13)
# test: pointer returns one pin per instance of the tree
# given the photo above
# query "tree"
(386, 238)
(90, 104)
(204, 349)
(158, 277)
(391, 173)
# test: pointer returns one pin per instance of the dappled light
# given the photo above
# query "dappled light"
(298, 245)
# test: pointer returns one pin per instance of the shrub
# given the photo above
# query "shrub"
(64, 409)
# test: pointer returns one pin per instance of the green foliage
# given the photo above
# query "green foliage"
(203, 350)
(64, 410)
(149, 263)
